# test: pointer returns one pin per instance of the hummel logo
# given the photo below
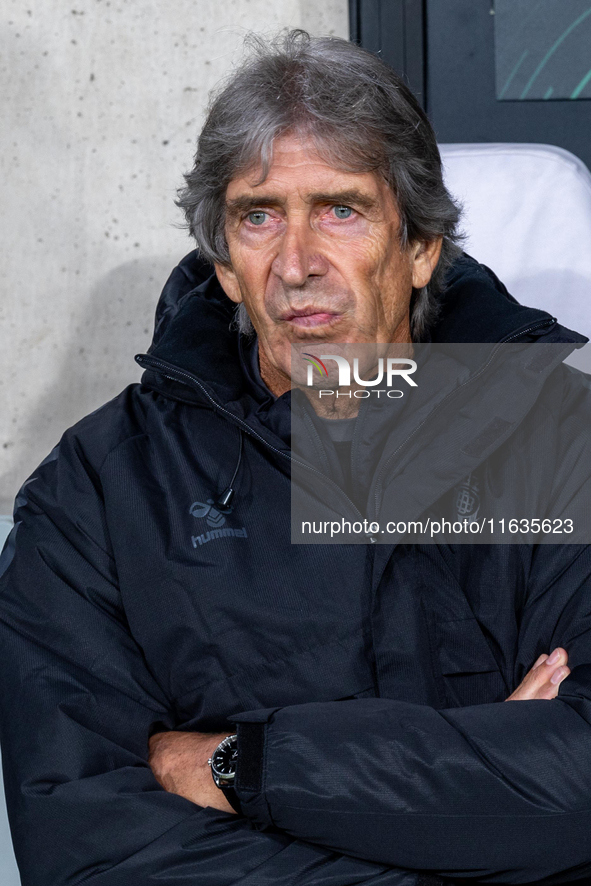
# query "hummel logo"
(213, 517)
(216, 519)
(218, 533)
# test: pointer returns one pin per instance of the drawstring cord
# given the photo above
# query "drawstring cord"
(224, 502)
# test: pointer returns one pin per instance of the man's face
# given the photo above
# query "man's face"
(315, 255)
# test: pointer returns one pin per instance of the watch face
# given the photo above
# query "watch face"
(224, 758)
(224, 761)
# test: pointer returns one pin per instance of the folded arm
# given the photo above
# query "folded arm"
(180, 760)
(497, 792)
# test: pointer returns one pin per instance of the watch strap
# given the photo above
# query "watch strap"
(232, 798)
(225, 783)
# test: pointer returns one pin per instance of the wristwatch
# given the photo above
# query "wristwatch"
(223, 768)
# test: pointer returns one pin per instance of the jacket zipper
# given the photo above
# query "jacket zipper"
(167, 370)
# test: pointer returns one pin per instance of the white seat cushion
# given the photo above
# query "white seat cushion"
(527, 214)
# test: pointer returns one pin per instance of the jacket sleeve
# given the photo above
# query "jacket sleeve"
(77, 703)
(495, 792)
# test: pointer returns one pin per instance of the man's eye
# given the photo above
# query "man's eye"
(257, 217)
(343, 211)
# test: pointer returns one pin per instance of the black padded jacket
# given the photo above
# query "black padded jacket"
(367, 680)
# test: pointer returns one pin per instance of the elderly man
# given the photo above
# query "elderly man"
(152, 599)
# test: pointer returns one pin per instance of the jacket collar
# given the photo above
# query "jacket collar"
(208, 360)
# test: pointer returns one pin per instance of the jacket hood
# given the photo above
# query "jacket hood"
(197, 356)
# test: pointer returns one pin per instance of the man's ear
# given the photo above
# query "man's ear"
(228, 282)
(425, 258)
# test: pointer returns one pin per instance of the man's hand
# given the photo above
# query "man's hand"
(544, 678)
(179, 762)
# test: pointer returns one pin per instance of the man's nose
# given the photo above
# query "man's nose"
(299, 255)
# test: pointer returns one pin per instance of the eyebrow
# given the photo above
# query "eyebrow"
(353, 196)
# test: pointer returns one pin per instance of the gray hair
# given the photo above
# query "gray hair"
(361, 116)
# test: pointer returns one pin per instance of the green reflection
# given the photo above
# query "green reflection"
(552, 50)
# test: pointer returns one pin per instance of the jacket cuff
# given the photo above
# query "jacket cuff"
(251, 728)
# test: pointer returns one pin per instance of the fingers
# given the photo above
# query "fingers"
(559, 675)
(544, 678)
(558, 656)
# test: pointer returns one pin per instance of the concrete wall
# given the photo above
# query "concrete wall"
(102, 101)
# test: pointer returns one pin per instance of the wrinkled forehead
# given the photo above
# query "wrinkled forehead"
(311, 169)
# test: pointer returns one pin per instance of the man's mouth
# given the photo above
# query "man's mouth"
(310, 317)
